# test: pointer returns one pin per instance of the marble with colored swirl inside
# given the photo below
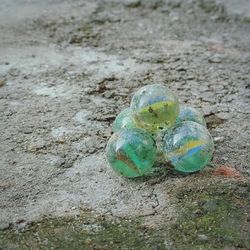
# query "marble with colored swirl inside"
(190, 114)
(123, 120)
(188, 146)
(154, 106)
(131, 152)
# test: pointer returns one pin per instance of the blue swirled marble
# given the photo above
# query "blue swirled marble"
(190, 114)
(188, 146)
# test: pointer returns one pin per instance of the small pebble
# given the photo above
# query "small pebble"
(219, 139)
(215, 59)
(132, 3)
(175, 19)
(202, 237)
(4, 226)
(2, 82)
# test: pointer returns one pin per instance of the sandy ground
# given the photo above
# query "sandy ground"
(68, 67)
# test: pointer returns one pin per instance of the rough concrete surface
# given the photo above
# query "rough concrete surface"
(67, 68)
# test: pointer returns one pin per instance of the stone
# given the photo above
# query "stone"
(188, 146)
(219, 139)
(190, 114)
(152, 4)
(2, 82)
(132, 3)
(154, 106)
(123, 120)
(4, 225)
(202, 237)
(215, 59)
(131, 152)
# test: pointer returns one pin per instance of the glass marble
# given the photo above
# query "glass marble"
(154, 106)
(188, 146)
(131, 152)
(123, 120)
(190, 114)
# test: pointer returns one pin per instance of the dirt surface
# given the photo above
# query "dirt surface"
(67, 68)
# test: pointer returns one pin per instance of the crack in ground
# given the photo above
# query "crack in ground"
(154, 197)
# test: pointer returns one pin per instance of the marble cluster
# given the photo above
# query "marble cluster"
(156, 125)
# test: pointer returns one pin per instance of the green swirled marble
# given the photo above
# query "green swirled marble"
(188, 146)
(123, 120)
(153, 107)
(190, 114)
(131, 152)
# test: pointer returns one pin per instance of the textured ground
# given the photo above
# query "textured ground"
(68, 67)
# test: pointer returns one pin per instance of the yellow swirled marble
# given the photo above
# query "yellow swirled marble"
(188, 147)
(153, 107)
